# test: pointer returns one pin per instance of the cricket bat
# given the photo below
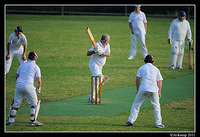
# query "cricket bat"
(91, 36)
(38, 108)
(190, 57)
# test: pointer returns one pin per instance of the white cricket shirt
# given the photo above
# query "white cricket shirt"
(15, 42)
(96, 59)
(149, 75)
(178, 30)
(28, 71)
(138, 21)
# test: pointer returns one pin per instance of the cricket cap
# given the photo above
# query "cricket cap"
(182, 13)
(32, 55)
(149, 59)
(19, 29)
(137, 5)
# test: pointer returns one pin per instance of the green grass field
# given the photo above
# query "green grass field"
(61, 43)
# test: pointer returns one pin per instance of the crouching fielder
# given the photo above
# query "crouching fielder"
(148, 88)
(98, 59)
(25, 76)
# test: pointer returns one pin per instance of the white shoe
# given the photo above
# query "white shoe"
(179, 68)
(130, 58)
(36, 123)
(89, 100)
(172, 67)
(160, 126)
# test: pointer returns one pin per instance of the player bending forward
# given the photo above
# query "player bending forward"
(98, 59)
(14, 46)
(25, 76)
(150, 75)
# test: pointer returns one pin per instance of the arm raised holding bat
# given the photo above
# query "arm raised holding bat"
(98, 52)
(105, 39)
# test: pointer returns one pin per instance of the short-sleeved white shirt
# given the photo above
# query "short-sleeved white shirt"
(178, 30)
(96, 59)
(149, 75)
(28, 71)
(15, 42)
(138, 21)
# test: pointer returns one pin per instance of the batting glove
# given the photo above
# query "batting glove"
(169, 41)
(96, 49)
(38, 90)
(190, 41)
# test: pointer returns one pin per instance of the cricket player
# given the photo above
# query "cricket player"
(138, 28)
(14, 47)
(97, 61)
(148, 88)
(25, 76)
(178, 30)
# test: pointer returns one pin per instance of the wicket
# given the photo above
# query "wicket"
(96, 77)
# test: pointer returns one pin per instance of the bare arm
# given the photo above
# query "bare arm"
(39, 82)
(145, 26)
(89, 53)
(106, 54)
(8, 50)
(159, 86)
(131, 28)
(137, 84)
(24, 53)
(17, 75)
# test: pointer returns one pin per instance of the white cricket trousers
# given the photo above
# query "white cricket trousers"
(177, 52)
(31, 97)
(139, 99)
(141, 38)
(96, 71)
(13, 52)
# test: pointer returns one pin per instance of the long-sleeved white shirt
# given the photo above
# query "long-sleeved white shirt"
(178, 30)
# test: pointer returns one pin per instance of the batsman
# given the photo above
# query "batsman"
(98, 54)
(25, 76)
(178, 30)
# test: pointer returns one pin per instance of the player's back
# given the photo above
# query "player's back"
(27, 73)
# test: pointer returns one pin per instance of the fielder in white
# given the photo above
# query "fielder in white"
(98, 59)
(148, 88)
(14, 47)
(178, 30)
(138, 26)
(25, 76)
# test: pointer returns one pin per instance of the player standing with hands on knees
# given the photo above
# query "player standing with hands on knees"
(148, 88)
(25, 76)
(98, 59)
(178, 30)
(138, 27)
(14, 47)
